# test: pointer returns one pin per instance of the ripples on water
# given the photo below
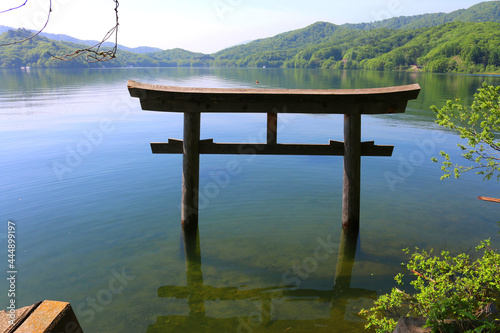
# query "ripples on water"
(113, 208)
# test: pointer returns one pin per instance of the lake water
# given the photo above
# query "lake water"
(98, 217)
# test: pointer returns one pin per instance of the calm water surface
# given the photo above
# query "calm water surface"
(98, 218)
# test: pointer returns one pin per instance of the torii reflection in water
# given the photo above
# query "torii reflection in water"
(197, 294)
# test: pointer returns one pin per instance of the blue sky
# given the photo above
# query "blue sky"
(207, 25)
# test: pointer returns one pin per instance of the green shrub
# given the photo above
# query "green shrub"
(446, 287)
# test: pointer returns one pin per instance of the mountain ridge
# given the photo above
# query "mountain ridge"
(392, 44)
(88, 42)
(487, 11)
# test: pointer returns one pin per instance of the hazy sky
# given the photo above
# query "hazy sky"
(206, 25)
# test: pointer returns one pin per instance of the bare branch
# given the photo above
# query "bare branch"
(14, 8)
(35, 34)
(422, 276)
(94, 53)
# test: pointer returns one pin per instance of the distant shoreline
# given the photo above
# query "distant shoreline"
(239, 68)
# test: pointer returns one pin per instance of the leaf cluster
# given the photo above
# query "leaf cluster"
(454, 293)
(479, 126)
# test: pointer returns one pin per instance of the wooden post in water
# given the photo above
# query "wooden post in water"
(272, 128)
(190, 171)
(352, 171)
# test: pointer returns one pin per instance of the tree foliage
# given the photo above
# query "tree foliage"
(34, 53)
(488, 11)
(452, 292)
(479, 125)
(451, 46)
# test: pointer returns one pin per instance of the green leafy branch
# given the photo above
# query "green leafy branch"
(452, 292)
(479, 124)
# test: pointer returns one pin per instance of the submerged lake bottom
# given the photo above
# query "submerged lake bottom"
(98, 215)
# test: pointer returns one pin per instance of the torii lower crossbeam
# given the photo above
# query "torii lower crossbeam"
(351, 102)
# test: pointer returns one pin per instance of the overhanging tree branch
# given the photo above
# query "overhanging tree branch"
(35, 34)
(14, 8)
(94, 53)
(479, 124)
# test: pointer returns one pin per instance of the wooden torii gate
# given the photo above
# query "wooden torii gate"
(351, 102)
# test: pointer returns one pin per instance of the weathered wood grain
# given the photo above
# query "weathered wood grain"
(209, 147)
(307, 101)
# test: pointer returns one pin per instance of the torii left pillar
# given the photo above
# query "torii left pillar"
(190, 171)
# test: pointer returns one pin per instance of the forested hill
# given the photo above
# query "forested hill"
(482, 12)
(433, 42)
(379, 45)
(452, 47)
(35, 53)
(66, 38)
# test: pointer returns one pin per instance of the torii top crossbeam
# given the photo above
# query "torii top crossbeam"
(324, 101)
(351, 102)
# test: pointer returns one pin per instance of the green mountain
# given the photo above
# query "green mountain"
(415, 42)
(482, 12)
(466, 41)
(36, 52)
(4, 28)
(451, 47)
(275, 50)
(66, 38)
